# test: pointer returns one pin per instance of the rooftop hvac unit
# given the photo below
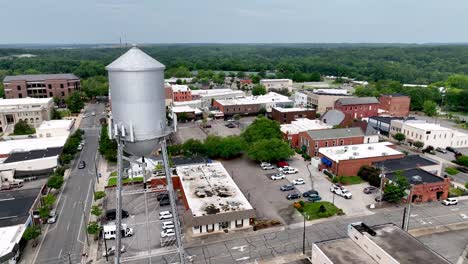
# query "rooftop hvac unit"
(370, 148)
(356, 153)
(416, 178)
(355, 148)
(384, 153)
(351, 157)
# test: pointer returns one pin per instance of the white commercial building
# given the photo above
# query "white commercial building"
(31, 110)
(55, 128)
(277, 84)
(300, 98)
(180, 88)
(430, 134)
(214, 202)
(206, 97)
(303, 124)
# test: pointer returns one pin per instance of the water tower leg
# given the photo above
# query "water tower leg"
(172, 198)
(118, 199)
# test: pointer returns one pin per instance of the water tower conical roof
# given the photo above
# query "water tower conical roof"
(135, 60)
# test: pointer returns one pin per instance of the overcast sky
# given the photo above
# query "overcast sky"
(233, 21)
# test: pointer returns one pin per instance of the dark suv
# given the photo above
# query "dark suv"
(292, 196)
(111, 214)
(308, 193)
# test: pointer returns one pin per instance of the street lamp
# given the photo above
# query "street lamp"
(304, 233)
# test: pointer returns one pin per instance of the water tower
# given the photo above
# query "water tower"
(138, 123)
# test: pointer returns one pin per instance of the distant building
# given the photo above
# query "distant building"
(287, 115)
(397, 105)
(169, 97)
(382, 123)
(347, 160)
(333, 117)
(379, 244)
(430, 134)
(55, 128)
(324, 99)
(277, 84)
(300, 98)
(181, 93)
(189, 112)
(31, 110)
(313, 140)
(207, 97)
(174, 80)
(357, 108)
(291, 132)
(252, 104)
(410, 162)
(41, 85)
(213, 202)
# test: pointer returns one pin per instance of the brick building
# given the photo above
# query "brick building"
(287, 115)
(397, 105)
(252, 104)
(313, 140)
(181, 93)
(426, 187)
(290, 132)
(357, 108)
(41, 85)
(347, 160)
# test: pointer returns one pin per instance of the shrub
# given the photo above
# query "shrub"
(451, 171)
(93, 228)
(99, 195)
(297, 205)
(23, 128)
(302, 203)
(335, 179)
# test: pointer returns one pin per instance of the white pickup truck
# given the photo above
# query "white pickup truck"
(341, 191)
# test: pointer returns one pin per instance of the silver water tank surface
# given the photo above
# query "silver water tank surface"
(136, 83)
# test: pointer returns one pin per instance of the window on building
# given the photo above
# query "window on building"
(334, 142)
(209, 228)
(61, 85)
(341, 142)
(316, 144)
(51, 94)
(63, 94)
(20, 95)
(240, 223)
(18, 87)
(326, 143)
(316, 153)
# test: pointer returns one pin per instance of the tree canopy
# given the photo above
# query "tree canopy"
(23, 128)
(396, 190)
(75, 102)
(262, 128)
(259, 89)
(273, 149)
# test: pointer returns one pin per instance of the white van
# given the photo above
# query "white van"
(110, 231)
(16, 183)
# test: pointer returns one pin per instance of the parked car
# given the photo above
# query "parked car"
(93, 113)
(167, 233)
(231, 125)
(462, 169)
(111, 214)
(82, 165)
(52, 217)
(111, 251)
(164, 202)
(207, 126)
(161, 196)
(450, 201)
(165, 215)
(370, 189)
(453, 150)
(306, 194)
(266, 166)
(292, 196)
(281, 164)
(328, 173)
(341, 191)
(287, 187)
(168, 225)
(80, 147)
(298, 181)
(441, 150)
(314, 198)
(288, 170)
(278, 176)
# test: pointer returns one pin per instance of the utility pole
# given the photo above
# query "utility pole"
(118, 197)
(382, 176)
(408, 211)
(146, 209)
(105, 247)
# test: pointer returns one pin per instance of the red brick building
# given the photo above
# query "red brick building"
(313, 140)
(232, 109)
(41, 85)
(357, 108)
(181, 93)
(427, 187)
(347, 160)
(287, 115)
(292, 131)
(396, 105)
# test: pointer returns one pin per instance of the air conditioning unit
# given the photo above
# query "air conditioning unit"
(370, 148)
(356, 153)
(384, 153)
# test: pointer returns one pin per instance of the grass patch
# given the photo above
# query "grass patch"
(349, 180)
(451, 171)
(113, 181)
(455, 192)
(312, 210)
(113, 174)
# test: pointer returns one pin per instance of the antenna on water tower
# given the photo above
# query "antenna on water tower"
(138, 119)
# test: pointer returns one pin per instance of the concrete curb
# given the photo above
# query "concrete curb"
(438, 229)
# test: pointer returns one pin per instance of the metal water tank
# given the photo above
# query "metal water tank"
(136, 83)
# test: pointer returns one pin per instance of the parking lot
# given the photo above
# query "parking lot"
(145, 237)
(270, 202)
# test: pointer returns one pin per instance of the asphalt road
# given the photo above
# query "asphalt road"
(63, 241)
(267, 244)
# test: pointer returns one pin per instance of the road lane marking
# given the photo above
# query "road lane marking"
(74, 205)
(60, 254)
(243, 258)
(59, 218)
(240, 248)
(68, 226)
(84, 210)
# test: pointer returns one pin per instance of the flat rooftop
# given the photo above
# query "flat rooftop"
(33, 154)
(210, 190)
(345, 251)
(214, 92)
(407, 162)
(55, 124)
(180, 88)
(359, 151)
(416, 176)
(15, 205)
(275, 80)
(291, 109)
(41, 77)
(303, 124)
(10, 237)
(331, 91)
(426, 126)
(270, 97)
(24, 145)
(335, 133)
(186, 109)
(24, 101)
(403, 247)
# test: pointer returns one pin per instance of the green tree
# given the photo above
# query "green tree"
(32, 233)
(107, 147)
(396, 190)
(44, 212)
(259, 89)
(23, 128)
(55, 182)
(430, 108)
(193, 147)
(462, 160)
(231, 146)
(93, 228)
(99, 195)
(95, 86)
(399, 137)
(74, 102)
(56, 115)
(96, 210)
(49, 200)
(418, 144)
(262, 128)
(370, 174)
(273, 149)
(183, 117)
(178, 72)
